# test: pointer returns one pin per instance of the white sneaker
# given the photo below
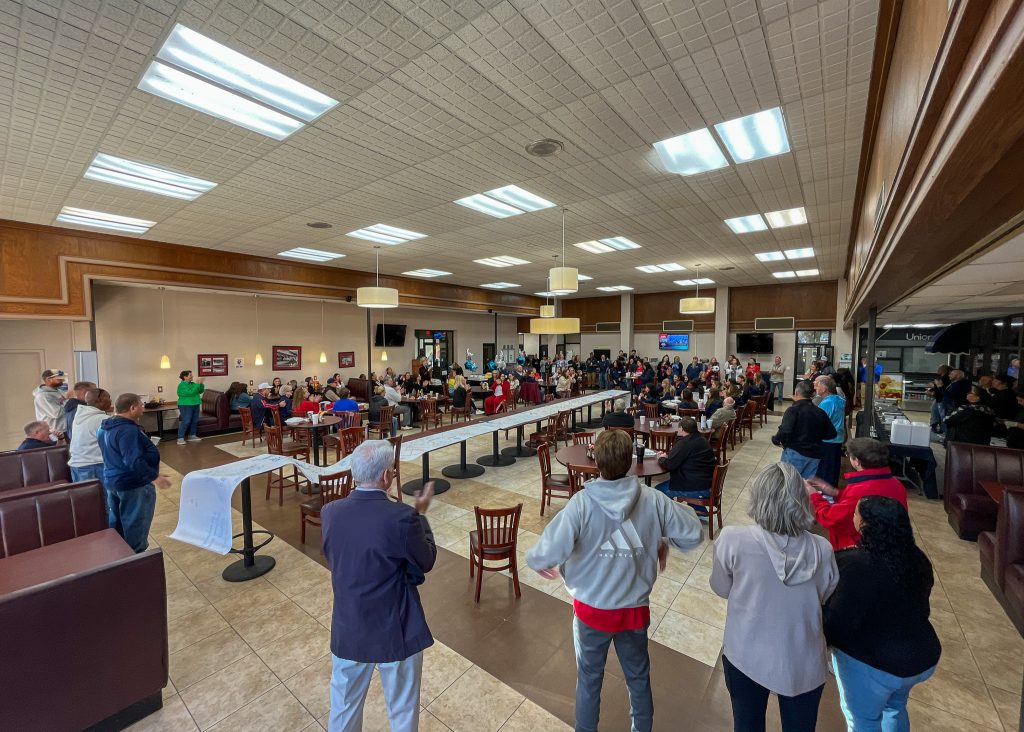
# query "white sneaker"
(193, 438)
(181, 441)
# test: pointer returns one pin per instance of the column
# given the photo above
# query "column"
(721, 323)
(842, 338)
(625, 323)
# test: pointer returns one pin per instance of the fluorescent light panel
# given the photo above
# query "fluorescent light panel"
(142, 177)
(770, 256)
(746, 224)
(310, 255)
(668, 267)
(615, 288)
(504, 202)
(500, 285)
(502, 261)
(756, 136)
(799, 253)
(784, 275)
(786, 217)
(583, 277)
(807, 273)
(385, 234)
(692, 153)
(101, 220)
(546, 294)
(611, 244)
(205, 75)
(427, 273)
(691, 283)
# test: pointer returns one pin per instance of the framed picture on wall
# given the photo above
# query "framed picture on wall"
(346, 359)
(212, 364)
(287, 358)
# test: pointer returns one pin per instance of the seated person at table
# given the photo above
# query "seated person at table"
(648, 395)
(377, 401)
(871, 477)
(331, 391)
(724, 414)
(618, 417)
(37, 434)
(345, 402)
(305, 402)
(691, 465)
(696, 388)
(563, 385)
(678, 385)
(237, 396)
(714, 403)
(686, 400)
(261, 403)
(394, 398)
(494, 401)
(275, 387)
(974, 421)
(463, 395)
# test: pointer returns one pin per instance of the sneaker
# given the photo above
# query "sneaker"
(193, 438)
(181, 441)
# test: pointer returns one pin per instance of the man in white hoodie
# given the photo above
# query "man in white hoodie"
(49, 399)
(86, 460)
(606, 543)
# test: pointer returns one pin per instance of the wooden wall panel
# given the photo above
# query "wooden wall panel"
(813, 304)
(650, 309)
(45, 273)
(591, 310)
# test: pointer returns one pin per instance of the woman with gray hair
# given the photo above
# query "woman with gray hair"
(776, 576)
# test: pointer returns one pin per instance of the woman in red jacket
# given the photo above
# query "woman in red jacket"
(752, 368)
(492, 403)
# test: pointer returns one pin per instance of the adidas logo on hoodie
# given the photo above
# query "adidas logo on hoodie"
(624, 541)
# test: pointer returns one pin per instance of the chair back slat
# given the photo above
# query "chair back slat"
(497, 528)
(544, 458)
(246, 415)
(651, 411)
(349, 419)
(583, 438)
(628, 430)
(663, 440)
(275, 443)
(695, 413)
(351, 438)
(385, 415)
(275, 411)
(335, 486)
(579, 474)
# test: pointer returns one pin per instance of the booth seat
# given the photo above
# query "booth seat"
(84, 617)
(214, 412)
(1002, 556)
(969, 509)
(42, 466)
(360, 389)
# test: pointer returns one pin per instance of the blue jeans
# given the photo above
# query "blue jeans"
(873, 700)
(87, 472)
(592, 655)
(188, 420)
(350, 680)
(776, 387)
(130, 513)
(808, 467)
(602, 379)
(666, 488)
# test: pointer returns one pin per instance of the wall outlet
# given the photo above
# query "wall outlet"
(159, 390)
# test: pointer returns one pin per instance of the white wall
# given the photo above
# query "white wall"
(785, 346)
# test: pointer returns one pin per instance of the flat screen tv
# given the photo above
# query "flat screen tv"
(755, 343)
(389, 335)
(674, 341)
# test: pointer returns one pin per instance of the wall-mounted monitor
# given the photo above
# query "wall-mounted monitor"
(389, 336)
(755, 342)
(674, 341)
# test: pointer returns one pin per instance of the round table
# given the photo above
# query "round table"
(326, 421)
(648, 425)
(577, 455)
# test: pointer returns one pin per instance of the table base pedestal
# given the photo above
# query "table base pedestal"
(440, 486)
(249, 566)
(238, 572)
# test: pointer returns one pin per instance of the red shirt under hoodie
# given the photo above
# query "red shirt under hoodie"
(838, 517)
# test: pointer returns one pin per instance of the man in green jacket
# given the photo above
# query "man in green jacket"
(190, 396)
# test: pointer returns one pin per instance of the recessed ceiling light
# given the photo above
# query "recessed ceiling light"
(755, 136)
(310, 255)
(500, 285)
(319, 225)
(594, 247)
(770, 256)
(799, 253)
(386, 234)
(697, 281)
(692, 153)
(784, 275)
(142, 177)
(583, 277)
(787, 217)
(502, 261)
(615, 288)
(746, 224)
(504, 202)
(101, 220)
(545, 147)
(611, 244)
(668, 267)
(205, 75)
(427, 273)
(807, 273)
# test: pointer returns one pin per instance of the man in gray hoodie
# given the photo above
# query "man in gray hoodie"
(607, 543)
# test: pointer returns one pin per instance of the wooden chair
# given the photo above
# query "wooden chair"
(580, 474)
(513, 400)
(632, 410)
(651, 411)
(396, 442)
(762, 409)
(695, 413)
(747, 419)
(349, 439)
(552, 485)
(495, 538)
(382, 426)
(249, 432)
(332, 487)
(583, 438)
(628, 430)
(713, 503)
(737, 427)
(561, 431)
(348, 419)
(429, 414)
(462, 413)
(277, 479)
(662, 440)
(722, 443)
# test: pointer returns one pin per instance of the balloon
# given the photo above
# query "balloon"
(491, 365)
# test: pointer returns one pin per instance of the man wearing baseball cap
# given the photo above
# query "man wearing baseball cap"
(49, 401)
(261, 402)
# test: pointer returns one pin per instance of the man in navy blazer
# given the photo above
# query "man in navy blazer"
(378, 551)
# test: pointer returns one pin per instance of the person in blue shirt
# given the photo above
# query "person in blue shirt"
(131, 472)
(834, 405)
(694, 369)
(862, 371)
(714, 403)
(602, 372)
(345, 403)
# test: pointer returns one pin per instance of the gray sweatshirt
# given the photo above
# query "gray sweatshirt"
(605, 541)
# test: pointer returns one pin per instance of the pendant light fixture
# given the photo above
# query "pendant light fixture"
(377, 296)
(563, 280)
(696, 305)
(165, 361)
(323, 354)
(554, 326)
(258, 361)
(548, 311)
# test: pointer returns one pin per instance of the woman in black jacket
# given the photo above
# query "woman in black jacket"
(974, 421)
(876, 621)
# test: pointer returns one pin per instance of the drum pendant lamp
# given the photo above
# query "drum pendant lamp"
(696, 305)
